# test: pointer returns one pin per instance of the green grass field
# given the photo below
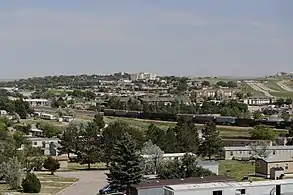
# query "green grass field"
(51, 184)
(238, 169)
(273, 85)
(283, 94)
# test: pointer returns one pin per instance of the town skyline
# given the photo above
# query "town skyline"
(190, 38)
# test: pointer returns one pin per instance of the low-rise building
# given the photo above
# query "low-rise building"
(274, 168)
(48, 145)
(38, 102)
(243, 142)
(257, 101)
(268, 187)
(246, 152)
(156, 187)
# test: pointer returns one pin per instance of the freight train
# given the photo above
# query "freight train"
(197, 118)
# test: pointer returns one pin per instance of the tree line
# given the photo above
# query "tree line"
(92, 143)
(226, 108)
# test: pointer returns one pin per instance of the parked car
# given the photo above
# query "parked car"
(108, 189)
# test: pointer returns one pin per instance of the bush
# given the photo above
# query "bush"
(51, 164)
(31, 184)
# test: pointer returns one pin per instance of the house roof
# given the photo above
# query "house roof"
(184, 187)
(248, 148)
(191, 180)
(273, 160)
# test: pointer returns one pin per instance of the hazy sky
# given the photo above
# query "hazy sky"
(170, 37)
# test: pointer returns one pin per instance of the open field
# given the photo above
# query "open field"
(282, 94)
(237, 169)
(272, 84)
(142, 124)
(79, 167)
(51, 184)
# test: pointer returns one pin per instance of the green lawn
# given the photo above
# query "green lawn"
(77, 166)
(253, 92)
(141, 124)
(237, 169)
(273, 85)
(282, 94)
(51, 184)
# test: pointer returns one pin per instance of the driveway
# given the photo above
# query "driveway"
(89, 182)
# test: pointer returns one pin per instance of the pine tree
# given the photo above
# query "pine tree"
(125, 166)
(212, 143)
(170, 141)
(88, 145)
(187, 137)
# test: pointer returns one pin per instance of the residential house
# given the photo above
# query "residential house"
(243, 142)
(246, 152)
(215, 93)
(268, 187)
(156, 187)
(48, 145)
(274, 167)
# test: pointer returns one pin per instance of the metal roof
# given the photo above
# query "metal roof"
(191, 180)
(184, 187)
(237, 148)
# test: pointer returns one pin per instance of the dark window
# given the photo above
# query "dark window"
(217, 193)
(242, 191)
(249, 152)
(286, 166)
(274, 152)
(231, 153)
(278, 190)
(35, 143)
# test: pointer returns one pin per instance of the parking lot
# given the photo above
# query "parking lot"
(89, 182)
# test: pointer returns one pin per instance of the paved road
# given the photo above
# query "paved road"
(89, 182)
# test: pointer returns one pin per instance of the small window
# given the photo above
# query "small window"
(231, 153)
(242, 191)
(35, 143)
(249, 152)
(286, 166)
(274, 152)
(240, 152)
(218, 192)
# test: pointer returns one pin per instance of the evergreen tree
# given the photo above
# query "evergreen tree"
(125, 166)
(156, 135)
(51, 164)
(31, 184)
(113, 133)
(187, 137)
(88, 144)
(98, 120)
(170, 141)
(68, 139)
(212, 143)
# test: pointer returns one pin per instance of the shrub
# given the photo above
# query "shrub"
(51, 164)
(31, 184)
